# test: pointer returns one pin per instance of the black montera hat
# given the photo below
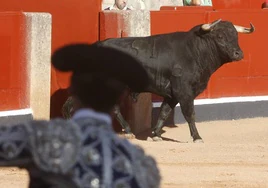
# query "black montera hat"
(86, 58)
(100, 74)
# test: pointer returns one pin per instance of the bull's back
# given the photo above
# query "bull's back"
(155, 53)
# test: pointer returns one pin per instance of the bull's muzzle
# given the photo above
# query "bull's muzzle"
(237, 55)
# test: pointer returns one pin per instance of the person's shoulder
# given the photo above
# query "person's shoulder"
(145, 166)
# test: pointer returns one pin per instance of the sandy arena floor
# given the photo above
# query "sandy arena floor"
(235, 154)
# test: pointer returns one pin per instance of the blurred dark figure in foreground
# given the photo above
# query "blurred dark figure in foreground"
(83, 151)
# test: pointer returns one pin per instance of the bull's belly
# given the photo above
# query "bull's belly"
(162, 90)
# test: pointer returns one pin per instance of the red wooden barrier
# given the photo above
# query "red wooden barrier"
(13, 67)
(78, 22)
(108, 30)
(72, 22)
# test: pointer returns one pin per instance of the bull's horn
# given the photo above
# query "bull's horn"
(207, 27)
(241, 29)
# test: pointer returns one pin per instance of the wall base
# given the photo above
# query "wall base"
(218, 111)
(15, 116)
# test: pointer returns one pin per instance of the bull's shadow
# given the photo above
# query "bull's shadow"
(147, 135)
(170, 123)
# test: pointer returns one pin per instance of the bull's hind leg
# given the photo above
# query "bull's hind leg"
(187, 108)
(123, 123)
(165, 110)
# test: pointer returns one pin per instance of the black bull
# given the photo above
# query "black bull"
(180, 65)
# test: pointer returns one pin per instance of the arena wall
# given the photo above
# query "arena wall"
(236, 90)
(25, 40)
(73, 21)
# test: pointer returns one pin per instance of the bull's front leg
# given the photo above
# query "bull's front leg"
(165, 110)
(187, 108)
(125, 126)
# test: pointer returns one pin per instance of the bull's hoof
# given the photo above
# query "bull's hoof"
(198, 141)
(157, 138)
(128, 136)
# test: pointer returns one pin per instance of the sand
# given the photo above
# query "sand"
(234, 154)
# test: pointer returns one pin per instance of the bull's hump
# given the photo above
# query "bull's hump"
(140, 44)
(145, 47)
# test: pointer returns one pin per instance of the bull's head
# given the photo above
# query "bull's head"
(225, 36)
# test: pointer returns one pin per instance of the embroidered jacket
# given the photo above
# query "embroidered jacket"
(82, 152)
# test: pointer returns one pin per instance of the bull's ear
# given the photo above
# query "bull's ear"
(209, 26)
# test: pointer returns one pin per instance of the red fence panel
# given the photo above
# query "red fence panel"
(72, 22)
(13, 67)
